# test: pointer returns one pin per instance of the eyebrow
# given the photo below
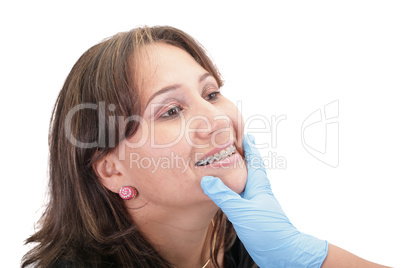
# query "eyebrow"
(174, 87)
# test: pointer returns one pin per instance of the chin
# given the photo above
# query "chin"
(236, 181)
(233, 173)
(234, 178)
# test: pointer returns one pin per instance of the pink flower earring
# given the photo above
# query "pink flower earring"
(128, 192)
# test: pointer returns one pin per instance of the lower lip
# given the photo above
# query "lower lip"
(227, 162)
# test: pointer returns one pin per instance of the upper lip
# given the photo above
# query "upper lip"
(217, 150)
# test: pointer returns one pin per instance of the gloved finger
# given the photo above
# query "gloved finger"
(251, 153)
(222, 195)
(257, 179)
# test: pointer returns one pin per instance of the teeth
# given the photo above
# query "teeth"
(217, 157)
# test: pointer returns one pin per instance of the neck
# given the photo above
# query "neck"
(181, 235)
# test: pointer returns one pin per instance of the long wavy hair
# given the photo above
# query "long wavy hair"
(84, 223)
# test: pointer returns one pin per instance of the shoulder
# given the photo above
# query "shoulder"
(237, 256)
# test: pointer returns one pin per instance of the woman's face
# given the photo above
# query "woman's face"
(185, 119)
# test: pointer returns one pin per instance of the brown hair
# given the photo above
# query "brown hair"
(85, 224)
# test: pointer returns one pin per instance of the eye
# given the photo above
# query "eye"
(173, 112)
(213, 96)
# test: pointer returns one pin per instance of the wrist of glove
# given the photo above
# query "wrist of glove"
(259, 221)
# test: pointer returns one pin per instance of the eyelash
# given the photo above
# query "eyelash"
(166, 115)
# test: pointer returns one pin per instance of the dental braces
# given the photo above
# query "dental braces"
(217, 157)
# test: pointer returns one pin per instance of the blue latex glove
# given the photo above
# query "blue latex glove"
(260, 223)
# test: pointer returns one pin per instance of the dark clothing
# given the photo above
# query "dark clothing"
(236, 257)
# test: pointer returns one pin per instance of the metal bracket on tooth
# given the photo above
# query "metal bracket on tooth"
(214, 158)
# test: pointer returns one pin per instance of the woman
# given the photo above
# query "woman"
(139, 124)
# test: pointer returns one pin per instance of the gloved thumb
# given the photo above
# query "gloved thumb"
(222, 195)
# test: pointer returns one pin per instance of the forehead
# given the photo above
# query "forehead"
(161, 65)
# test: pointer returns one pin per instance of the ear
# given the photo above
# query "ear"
(107, 169)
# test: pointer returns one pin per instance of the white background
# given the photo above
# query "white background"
(289, 58)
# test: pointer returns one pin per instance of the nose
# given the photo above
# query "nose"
(210, 125)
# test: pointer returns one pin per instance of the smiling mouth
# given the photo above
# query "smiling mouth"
(225, 153)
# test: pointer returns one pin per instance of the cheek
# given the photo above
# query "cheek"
(162, 175)
(235, 116)
(238, 124)
(167, 134)
(235, 177)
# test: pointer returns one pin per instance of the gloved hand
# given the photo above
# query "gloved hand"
(260, 223)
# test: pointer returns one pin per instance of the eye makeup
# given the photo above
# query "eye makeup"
(170, 108)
